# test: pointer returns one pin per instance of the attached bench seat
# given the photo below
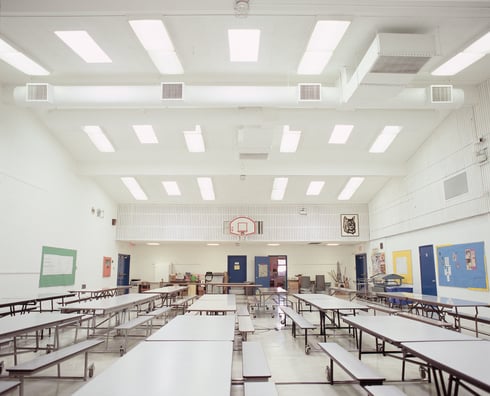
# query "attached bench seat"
(300, 321)
(382, 308)
(7, 386)
(361, 373)
(245, 326)
(254, 362)
(42, 362)
(242, 310)
(384, 390)
(183, 303)
(425, 319)
(260, 389)
(126, 327)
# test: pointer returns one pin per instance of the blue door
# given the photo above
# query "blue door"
(237, 269)
(361, 272)
(427, 270)
(123, 270)
(262, 271)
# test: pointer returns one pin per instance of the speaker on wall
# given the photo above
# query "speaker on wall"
(114, 221)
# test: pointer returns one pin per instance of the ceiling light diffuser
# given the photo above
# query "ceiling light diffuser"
(324, 39)
(279, 188)
(145, 134)
(315, 188)
(155, 39)
(290, 140)
(350, 188)
(172, 188)
(134, 188)
(206, 188)
(83, 45)
(98, 138)
(471, 54)
(244, 45)
(340, 134)
(194, 140)
(385, 138)
(20, 61)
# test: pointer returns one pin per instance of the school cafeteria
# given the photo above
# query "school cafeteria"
(244, 197)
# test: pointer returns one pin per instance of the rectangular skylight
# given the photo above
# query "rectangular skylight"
(134, 188)
(325, 38)
(172, 188)
(315, 188)
(98, 138)
(350, 188)
(465, 58)
(279, 188)
(20, 61)
(206, 188)
(290, 140)
(194, 140)
(155, 39)
(244, 45)
(340, 134)
(83, 45)
(385, 138)
(145, 134)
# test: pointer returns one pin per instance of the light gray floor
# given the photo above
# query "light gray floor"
(294, 372)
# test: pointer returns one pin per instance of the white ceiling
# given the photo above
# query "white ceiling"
(214, 98)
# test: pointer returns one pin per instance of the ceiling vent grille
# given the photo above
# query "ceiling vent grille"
(309, 92)
(441, 94)
(172, 91)
(38, 92)
(254, 156)
(399, 64)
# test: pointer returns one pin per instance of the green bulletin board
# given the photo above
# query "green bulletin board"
(57, 267)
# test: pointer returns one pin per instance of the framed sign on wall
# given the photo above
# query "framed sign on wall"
(349, 225)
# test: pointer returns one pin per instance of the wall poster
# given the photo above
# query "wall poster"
(378, 262)
(106, 267)
(402, 265)
(57, 267)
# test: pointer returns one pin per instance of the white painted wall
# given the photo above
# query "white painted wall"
(44, 203)
(153, 263)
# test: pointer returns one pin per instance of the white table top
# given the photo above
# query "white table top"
(324, 302)
(466, 360)
(20, 324)
(111, 303)
(396, 329)
(197, 328)
(214, 303)
(167, 368)
(447, 302)
(167, 290)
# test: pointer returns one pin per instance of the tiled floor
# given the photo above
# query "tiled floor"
(294, 372)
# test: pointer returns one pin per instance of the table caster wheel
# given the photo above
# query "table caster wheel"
(49, 348)
(121, 351)
(2, 365)
(91, 370)
(423, 372)
(307, 349)
(328, 373)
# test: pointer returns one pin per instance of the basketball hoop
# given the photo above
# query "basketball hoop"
(242, 226)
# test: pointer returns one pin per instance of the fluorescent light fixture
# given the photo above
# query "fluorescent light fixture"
(172, 188)
(279, 188)
(206, 187)
(212, 244)
(153, 243)
(385, 138)
(333, 244)
(290, 140)
(145, 134)
(20, 61)
(134, 188)
(194, 140)
(465, 58)
(350, 188)
(273, 244)
(98, 138)
(244, 45)
(340, 134)
(83, 45)
(325, 38)
(155, 39)
(315, 188)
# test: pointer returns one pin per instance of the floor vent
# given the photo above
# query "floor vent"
(172, 91)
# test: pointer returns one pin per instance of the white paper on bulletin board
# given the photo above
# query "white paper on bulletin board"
(263, 270)
(57, 265)
(401, 265)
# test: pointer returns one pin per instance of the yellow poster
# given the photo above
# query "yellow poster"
(402, 265)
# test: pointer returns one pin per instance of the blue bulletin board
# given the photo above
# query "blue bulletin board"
(462, 265)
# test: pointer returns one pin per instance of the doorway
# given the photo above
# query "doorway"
(262, 271)
(361, 273)
(427, 270)
(123, 262)
(237, 269)
(278, 271)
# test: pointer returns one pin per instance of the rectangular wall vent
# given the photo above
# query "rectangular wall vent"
(172, 91)
(309, 92)
(455, 186)
(38, 92)
(254, 156)
(441, 94)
